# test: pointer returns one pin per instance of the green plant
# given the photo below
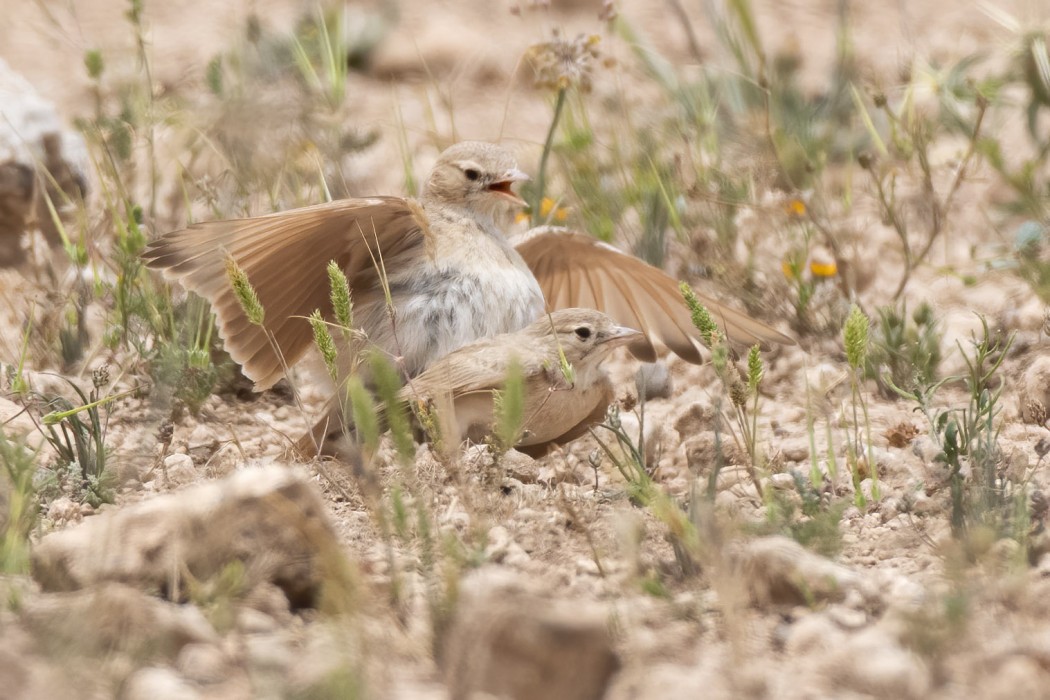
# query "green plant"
(860, 453)
(18, 503)
(982, 497)
(808, 514)
(906, 348)
(742, 393)
(962, 104)
(81, 444)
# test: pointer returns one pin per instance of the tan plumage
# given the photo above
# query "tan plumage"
(452, 275)
(576, 270)
(290, 285)
(555, 409)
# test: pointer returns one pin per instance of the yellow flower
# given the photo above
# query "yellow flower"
(548, 205)
(549, 210)
(796, 207)
(823, 269)
(788, 269)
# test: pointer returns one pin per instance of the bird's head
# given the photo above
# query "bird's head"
(476, 174)
(585, 336)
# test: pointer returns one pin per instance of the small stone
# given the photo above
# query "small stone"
(587, 567)
(505, 642)
(810, 633)
(795, 452)
(1034, 398)
(1016, 677)
(202, 435)
(63, 510)
(653, 381)
(778, 571)
(520, 466)
(202, 663)
(271, 520)
(251, 621)
(694, 419)
(112, 617)
(179, 470)
(873, 662)
(702, 452)
(783, 481)
(846, 617)
(225, 460)
(152, 683)
(270, 652)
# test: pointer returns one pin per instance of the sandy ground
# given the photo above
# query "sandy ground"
(557, 528)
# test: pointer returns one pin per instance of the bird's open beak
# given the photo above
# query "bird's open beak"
(502, 187)
(621, 335)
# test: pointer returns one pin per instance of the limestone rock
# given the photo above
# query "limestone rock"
(654, 381)
(113, 617)
(270, 520)
(778, 571)
(510, 643)
(33, 139)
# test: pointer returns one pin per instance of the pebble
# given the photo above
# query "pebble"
(179, 470)
(251, 621)
(202, 663)
(154, 683)
(810, 633)
(63, 510)
(654, 381)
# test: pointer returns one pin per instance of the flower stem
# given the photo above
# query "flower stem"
(541, 177)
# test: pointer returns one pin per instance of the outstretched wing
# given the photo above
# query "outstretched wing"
(576, 270)
(285, 256)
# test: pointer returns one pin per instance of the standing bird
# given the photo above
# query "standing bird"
(556, 408)
(453, 277)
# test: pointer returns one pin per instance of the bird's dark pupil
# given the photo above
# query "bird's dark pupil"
(583, 332)
(471, 174)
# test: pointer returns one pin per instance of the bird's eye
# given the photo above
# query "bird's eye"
(471, 174)
(583, 332)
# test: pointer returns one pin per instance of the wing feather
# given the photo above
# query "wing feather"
(285, 255)
(575, 270)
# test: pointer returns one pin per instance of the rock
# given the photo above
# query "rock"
(1015, 677)
(779, 571)
(63, 510)
(269, 653)
(812, 633)
(702, 452)
(18, 426)
(268, 520)
(502, 548)
(653, 381)
(33, 138)
(113, 617)
(509, 643)
(694, 419)
(152, 683)
(1034, 397)
(784, 481)
(874, 663)
(179, 470)
(202, 663)
(795, 450)
(520, 466)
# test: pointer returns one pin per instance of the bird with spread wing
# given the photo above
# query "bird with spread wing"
(428, 276)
